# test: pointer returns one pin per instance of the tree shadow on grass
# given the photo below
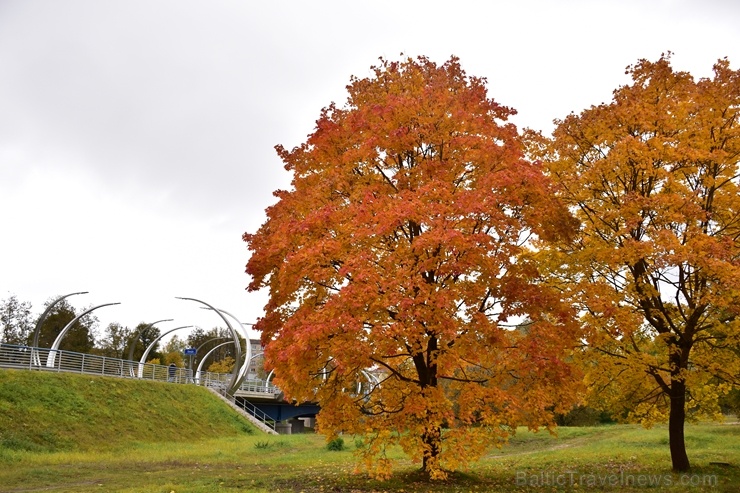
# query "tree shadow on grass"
(407, 480)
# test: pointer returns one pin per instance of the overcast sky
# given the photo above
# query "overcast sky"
(136, 136)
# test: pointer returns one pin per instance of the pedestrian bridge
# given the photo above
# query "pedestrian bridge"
(258, 399)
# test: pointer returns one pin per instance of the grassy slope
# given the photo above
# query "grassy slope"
(43, 412)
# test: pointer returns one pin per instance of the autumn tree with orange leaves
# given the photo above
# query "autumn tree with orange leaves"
(653, 178)
(400, 264)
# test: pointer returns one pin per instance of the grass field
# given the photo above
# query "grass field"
(622, 458)
(608, 458)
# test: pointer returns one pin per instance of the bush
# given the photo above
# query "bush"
(336, 444)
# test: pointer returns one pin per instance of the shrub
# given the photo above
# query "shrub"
(336, 444)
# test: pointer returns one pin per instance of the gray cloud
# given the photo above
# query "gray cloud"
(155, 120)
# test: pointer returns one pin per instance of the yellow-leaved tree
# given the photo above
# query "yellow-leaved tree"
(653, 178)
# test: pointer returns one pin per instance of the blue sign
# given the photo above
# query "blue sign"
(190, 351)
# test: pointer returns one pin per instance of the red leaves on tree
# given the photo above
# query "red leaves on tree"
(400, 263)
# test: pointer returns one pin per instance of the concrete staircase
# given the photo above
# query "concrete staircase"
(253, 419)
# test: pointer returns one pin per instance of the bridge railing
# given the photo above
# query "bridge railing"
(257, 386)
(30, 358)
(250, 408)
(18, 357)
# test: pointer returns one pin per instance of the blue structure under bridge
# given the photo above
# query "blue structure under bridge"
(283, 411)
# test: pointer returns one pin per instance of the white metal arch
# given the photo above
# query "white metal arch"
(140, 373)
(37, 330)
(237, 345)
(243, 365)
(51, 358)
(203, 359)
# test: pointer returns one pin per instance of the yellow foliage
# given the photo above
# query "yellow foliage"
(652, 178)
(175, 357)
(226, 365)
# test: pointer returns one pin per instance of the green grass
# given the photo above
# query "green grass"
(47, 412)
(303, 463)
(231, 460)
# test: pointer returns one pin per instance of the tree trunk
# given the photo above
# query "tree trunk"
(432, 439)
(676, 421)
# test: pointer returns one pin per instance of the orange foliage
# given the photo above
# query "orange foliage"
(399, 264)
